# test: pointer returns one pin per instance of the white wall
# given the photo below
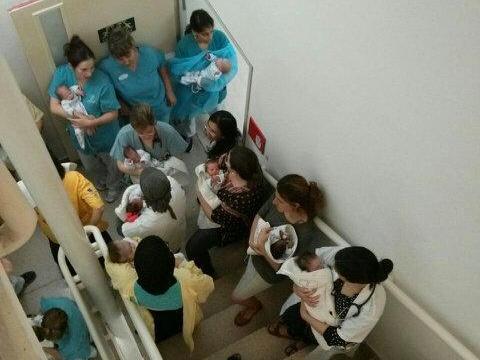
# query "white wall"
(379, 102)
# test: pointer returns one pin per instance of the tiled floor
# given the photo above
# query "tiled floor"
(35, 254)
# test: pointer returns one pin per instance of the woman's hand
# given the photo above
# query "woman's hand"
(171, 98)
(82, 121)
(306, 295)
(258, 244)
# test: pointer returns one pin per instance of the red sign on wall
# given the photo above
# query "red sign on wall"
(256, 135)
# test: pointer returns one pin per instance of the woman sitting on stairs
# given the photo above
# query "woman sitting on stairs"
(296, 201)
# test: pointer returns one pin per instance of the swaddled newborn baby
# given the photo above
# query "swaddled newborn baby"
(307, 271)
(278, 248)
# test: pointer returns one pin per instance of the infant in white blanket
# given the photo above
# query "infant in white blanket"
(308, 271)
(210, 180)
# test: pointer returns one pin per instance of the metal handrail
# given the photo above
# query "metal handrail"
(142, 331)
(403, 298)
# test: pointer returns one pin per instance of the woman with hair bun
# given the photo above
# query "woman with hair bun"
(296, 201)
(100, 125)
(201, 47)
(359, 299)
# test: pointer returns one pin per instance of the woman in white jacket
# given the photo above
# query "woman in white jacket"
(359, 301)
(164, 209)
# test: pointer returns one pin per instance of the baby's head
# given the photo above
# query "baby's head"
(308, 261)
(64, 92)
(277, 249)
(121, 251)
(223, 65)
(135, 206)
(212, 168)
(131, 154)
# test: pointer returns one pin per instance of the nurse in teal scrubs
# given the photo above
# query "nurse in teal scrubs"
(100, 125)
(139, 74)
(194, 52)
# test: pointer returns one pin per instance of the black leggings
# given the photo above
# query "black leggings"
(54, 247)
(198, 245)
(298, 328)
(167, 323)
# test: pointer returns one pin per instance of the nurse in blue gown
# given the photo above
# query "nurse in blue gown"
(193, 53)
(139, 74)
(100, 126)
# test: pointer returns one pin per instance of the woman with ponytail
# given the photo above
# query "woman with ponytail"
(296, 201)
(240, 197)
(359, 299)
(100, 126)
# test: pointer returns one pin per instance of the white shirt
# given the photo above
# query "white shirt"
(352, 329)
(150, 222)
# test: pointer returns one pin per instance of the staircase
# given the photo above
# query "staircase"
(216, 337)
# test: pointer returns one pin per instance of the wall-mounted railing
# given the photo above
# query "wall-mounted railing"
(403, 298)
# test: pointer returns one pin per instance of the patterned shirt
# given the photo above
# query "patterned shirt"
(235, 214)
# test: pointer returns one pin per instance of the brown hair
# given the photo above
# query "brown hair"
(114, 252)
(295, 189)
(141, 116)
(120, 42)
(77, 51)
(54, 324)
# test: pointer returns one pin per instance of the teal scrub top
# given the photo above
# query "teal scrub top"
(169, 300)
(144, 84)
(168, 141)
(99, 98)
(189, 105)
(75, 343)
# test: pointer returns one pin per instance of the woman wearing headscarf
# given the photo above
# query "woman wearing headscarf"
(171, 294)
(156, 288)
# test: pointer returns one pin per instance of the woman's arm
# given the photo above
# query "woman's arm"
(319, 326)
(128, 170)
(86, 121)
(96, 215)
(204, 205)
(56, 108)
(259, 247)
(172, 100)
(306, 295)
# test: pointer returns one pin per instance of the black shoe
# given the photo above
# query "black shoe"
(29, 278)
(235, 356)
(190, 144)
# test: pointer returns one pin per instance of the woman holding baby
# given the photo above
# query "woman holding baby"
(358, 298)
(204, 63)
(99, 124)
(240, 196)
(296, 201)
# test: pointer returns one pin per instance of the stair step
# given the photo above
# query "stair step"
(229, 258)
(220, 298)
(301, 354)
(259, 345)
(218, 331)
